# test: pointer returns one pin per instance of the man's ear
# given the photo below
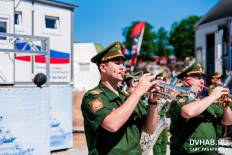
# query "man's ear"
(102, 67)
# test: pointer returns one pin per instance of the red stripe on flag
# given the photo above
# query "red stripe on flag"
(23, 58)
(137, 29)
(59, 60)
(41, 59)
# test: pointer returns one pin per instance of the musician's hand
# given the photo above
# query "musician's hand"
(218, 92)
(227, 101)
(155, 87)
(153, 98)
(145, 83)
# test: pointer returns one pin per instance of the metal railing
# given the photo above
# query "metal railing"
(33, 45)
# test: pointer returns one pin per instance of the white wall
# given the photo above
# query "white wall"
(60, 39)
(7, 59)
(23, 70)
(85, 78)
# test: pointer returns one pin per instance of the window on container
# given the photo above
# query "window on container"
(18, 18)
(84, 66)
(52, 22)
(3, 29)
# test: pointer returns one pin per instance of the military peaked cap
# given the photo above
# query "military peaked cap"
(216, 75)
(193, 69)
(111, 52)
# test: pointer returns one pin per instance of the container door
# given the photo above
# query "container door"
(219, 51)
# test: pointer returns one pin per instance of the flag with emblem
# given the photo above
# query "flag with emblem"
(137, 37)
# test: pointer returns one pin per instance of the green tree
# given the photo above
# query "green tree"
(162, 45)
(182, 37)
(148, 47)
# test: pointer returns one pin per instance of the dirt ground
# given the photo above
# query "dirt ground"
(77, 115)
(78, 136)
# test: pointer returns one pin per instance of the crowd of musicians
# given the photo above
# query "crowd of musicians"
(123, 114)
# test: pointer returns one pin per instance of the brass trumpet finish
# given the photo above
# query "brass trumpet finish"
(225, 100)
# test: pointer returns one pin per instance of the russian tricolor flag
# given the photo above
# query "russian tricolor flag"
(56, 57)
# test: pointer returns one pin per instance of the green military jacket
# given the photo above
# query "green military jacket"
(96, 105)
(218, 127)
(194, 135)
(210, 88)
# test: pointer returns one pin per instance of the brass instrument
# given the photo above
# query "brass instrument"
(226, 99)
(175, 88)
(147, 141)
(168, 95)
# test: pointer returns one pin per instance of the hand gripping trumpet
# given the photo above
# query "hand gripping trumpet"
(147, 140)
(226, 99)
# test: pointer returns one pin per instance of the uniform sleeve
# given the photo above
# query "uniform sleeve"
(95, 109)
(217, 112)
(143, 108)
(177, 105)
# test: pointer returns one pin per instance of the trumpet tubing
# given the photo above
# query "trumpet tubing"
(225, 100)
(167, 94)
(174, 88)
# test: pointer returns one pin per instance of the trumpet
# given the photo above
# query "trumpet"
(172, 91)
(172, 87)
(225, 100)
(184, 90)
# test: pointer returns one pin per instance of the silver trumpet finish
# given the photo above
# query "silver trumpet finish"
(175, 88)
(163, 95)
(171, 87)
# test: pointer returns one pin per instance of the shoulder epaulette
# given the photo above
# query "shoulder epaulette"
(95, 91)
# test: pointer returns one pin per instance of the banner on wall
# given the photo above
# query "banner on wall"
(61, 136)
(24, 119)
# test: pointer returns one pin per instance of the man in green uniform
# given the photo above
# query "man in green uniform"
(113, 121)
(131, 81)
(161, 143)
(215, 81)
(193, 119)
